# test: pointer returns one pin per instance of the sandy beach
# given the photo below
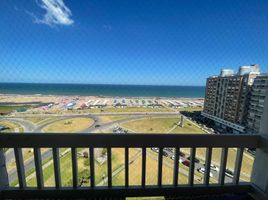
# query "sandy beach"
(16, 98)
(62, 104)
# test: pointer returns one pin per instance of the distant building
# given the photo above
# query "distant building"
(256, 105)
(227, 98)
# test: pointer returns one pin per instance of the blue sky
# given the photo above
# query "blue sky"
(156, 42)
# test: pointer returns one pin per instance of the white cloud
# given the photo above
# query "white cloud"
(57, 13)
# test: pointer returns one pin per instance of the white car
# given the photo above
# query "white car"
(155, 150)
(229, 173)
(213, 168)
(202, 171)
(173, 157)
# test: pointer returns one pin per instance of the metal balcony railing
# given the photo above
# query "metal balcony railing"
(110, 141)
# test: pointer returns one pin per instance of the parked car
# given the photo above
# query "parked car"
(85, 154)
(169, 150)
(213, 167)
(195, 160)
(202, 171)
(229, 173)
(165, 153)
(2, 128)
(182, 154)
(252, 150)
(155, 150)
(186, 163)
(173, 157)
(97, 126)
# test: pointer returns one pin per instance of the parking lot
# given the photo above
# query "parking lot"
(199, 166)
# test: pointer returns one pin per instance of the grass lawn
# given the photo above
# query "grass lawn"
(83, 169)
(117, 163)
(118, 166)
(190, 109)
(151, 172)
(35, 120)
(151, 125)
(69, 126)
(12, 126)
(47, 120)
(188, 127)
(160, 125)
(100, 170)
(48, 172)
(7, 109)
(108, 119)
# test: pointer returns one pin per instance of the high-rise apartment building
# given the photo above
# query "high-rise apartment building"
(227, 98)
(257, 98)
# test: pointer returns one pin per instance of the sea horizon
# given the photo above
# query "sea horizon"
(118, 90)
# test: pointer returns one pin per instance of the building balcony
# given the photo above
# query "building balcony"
(235, 185)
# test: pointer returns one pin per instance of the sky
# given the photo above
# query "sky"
(152, 42)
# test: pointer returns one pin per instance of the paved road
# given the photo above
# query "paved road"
(39, 128)
(28, 165)
(111, 125)
(27, 127)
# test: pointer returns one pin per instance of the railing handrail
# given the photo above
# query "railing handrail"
(91, 141)
(61, 140)
(131, 191)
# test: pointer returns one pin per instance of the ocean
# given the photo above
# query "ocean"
(103, 90)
